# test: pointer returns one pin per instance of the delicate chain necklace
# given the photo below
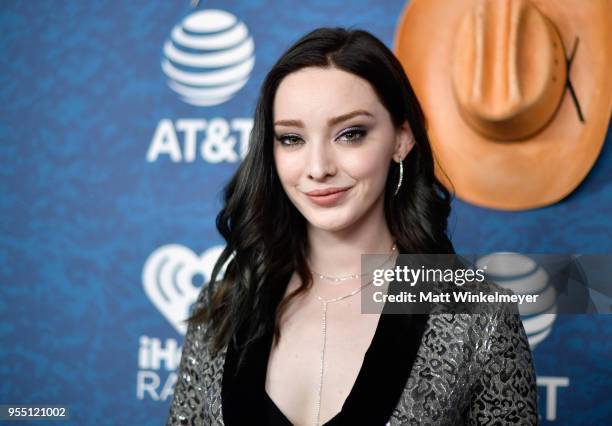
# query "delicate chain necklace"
(337, 280)
(324, 332)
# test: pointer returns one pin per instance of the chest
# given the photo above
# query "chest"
(293, 378)
(409, 376)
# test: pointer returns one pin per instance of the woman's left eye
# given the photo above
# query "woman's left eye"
(353, 135)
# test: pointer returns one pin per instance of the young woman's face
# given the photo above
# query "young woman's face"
(332, 133)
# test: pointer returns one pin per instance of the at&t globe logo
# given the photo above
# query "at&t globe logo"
(209, 57)
(523, 275)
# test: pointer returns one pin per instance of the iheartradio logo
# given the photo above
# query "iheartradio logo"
(173, 276)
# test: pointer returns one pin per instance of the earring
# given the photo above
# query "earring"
(401, 176)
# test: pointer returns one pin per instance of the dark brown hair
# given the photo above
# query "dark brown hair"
(266, 235)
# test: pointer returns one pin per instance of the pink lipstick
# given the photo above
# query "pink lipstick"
(328, 196)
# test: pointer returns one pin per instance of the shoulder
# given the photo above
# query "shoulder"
(481, 324)
(199, 328)
(490, 355)
(199, 372)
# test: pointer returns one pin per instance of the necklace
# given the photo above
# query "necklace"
(324, 332)
(337, 280)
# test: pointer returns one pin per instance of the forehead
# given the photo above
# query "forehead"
(313, 94)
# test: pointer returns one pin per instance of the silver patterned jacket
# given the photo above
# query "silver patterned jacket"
(473, 369)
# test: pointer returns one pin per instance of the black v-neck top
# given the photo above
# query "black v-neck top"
(377, 389)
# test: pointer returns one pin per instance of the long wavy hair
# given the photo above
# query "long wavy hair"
(265, 234)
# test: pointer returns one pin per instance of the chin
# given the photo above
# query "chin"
(331, 221)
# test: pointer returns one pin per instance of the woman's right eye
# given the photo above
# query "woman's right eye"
(288, 140)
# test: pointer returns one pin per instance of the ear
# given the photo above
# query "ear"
(404, 142)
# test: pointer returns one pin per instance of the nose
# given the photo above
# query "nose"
(321, 161)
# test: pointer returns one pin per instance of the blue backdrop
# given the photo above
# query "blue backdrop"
(110, 180)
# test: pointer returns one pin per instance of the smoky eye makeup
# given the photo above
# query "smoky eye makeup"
(283, 138)
(353, 134)
(349, 135)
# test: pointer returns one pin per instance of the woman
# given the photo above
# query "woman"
(339, 164)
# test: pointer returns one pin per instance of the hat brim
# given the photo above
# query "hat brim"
(516, 175)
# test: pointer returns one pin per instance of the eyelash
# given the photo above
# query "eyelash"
(358, 131)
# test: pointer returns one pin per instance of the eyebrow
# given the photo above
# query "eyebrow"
(330, 122)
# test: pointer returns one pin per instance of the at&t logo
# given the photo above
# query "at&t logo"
(209, 57)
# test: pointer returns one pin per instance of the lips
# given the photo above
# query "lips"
(326, 191)
(328, 196)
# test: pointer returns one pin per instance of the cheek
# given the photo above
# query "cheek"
(369, 167)
(288, 168)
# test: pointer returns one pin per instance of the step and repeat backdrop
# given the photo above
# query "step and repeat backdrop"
(113, 156)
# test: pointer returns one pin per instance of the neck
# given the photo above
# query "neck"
(338, 253)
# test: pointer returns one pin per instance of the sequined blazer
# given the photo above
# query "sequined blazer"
(463, 369)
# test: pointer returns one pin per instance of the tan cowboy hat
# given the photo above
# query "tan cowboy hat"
(517, 93)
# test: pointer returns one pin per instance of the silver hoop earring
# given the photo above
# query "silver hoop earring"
(401, 176)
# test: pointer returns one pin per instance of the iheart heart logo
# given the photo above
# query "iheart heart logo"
(168, 279)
